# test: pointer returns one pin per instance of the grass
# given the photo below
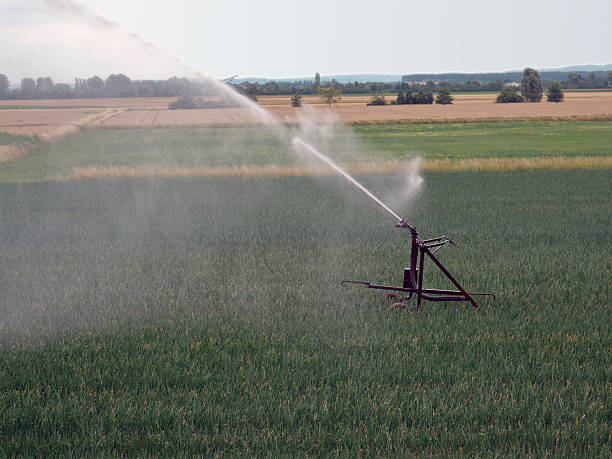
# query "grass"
(204, 316)
(275, 170)
(9, 139)
(15, 147)
(222, 147)
(506, 139)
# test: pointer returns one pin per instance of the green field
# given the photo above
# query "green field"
(205, 316)
(482, 140)
(227, 146)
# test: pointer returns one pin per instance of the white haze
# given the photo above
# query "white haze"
(316, 140)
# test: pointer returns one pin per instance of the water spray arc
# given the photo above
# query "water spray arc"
(300, 144)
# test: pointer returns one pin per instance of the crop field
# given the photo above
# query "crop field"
(440, 145)
(40, 121)
(205, 316)
(30, 117)
(353, 110)
(199, 310)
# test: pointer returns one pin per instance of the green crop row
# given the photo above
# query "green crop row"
(211, 147)
(205, 316)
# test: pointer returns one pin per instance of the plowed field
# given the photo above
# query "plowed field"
(153, 112)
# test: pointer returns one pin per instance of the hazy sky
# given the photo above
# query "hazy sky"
(273, 38)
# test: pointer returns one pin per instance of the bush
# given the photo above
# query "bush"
(377, 99)
(422, 97)
(186, 103)
(410, 98)
(508, 95)
(444, 97)
(296, 100)
(554, 93)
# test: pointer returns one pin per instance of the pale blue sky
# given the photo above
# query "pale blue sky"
(289, 38)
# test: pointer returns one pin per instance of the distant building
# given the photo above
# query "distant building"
(513, 84)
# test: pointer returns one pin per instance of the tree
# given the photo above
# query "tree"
(95, 86)
(27, 84)
(27, 87)
(377, 99)
(531, 85)
(44, 84)
(330, 95)
(508, 94)
(400, 100)
(4, 84)
(296, 100)
(554, 93)
(592, 81)
(444, 97)
(62, 91)
(118, 85)
(575, 80)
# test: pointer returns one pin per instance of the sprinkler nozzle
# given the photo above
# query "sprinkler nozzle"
(404, 224)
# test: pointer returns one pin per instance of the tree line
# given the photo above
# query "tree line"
(115, 85)
(305, 87)
(120, 85)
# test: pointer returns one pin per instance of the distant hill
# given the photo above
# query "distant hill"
(556, 74)
(514, 76)
(341, 78)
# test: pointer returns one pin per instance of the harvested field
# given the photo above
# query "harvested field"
(477, 110)
(352, 110)
(31, 122)
(47, 122)
(182, 118)
(152, 112)
(120, 102)
(276, 170)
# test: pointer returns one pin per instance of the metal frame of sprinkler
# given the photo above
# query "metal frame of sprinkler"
(413, 276)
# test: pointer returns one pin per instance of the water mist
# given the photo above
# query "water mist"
(68, 268)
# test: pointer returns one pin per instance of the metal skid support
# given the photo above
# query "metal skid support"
(413, 277)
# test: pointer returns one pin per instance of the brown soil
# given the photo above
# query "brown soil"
(41, 121)
(152, 112)
(353, 110)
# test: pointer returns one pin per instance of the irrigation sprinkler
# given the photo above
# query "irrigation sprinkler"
(413, 276)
